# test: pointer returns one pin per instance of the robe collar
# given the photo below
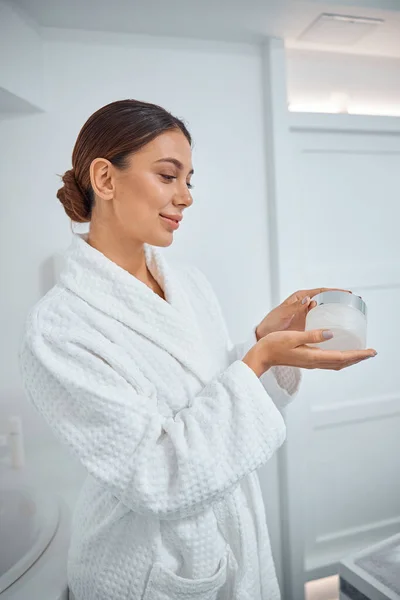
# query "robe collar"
(170, 324)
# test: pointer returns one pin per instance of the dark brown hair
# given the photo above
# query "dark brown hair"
(113, 132)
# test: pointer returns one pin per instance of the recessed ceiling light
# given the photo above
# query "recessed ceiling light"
(343, 30)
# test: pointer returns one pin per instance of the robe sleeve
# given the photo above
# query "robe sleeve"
(168, 467)
(281, 383)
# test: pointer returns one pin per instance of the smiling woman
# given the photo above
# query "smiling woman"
(110, 138)
(131, 179)
(130, 362)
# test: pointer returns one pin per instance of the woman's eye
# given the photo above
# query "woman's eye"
(170, 178)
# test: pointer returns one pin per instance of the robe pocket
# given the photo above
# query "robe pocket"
(164, 584)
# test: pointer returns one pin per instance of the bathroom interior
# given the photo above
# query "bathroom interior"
(294, 107)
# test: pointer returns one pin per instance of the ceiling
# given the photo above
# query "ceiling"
(226, 20)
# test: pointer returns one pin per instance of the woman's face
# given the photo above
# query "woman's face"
(155, 182)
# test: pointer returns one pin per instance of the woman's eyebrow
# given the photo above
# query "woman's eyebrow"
(175, 162)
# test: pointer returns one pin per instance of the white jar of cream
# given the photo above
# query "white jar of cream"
(345, 315)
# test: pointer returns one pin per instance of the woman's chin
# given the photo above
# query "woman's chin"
(162, 241)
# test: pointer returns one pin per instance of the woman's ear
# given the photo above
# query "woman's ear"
(102, 179)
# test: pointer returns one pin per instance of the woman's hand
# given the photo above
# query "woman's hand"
(289, 348)
(291, 314)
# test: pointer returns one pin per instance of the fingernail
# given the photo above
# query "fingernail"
(328, 335)
(305, 300)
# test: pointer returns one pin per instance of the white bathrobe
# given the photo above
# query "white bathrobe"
(170, 425)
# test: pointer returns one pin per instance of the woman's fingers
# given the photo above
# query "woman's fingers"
(315, 336)
(338, 362)
(339, 366)
(301, 294)
(291, 348)
(318, 358)
(296, 308)
(317, 291)
(315, 358)
(355, 362)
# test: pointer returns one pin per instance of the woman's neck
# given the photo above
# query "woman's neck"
(127, 254)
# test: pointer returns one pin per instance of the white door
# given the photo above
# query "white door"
(336, 198)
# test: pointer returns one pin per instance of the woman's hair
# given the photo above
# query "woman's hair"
(114, 132)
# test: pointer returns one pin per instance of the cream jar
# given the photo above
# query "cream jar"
(345, 315)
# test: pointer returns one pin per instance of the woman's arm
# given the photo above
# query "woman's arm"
(281, 383)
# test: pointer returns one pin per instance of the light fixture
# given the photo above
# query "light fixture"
(338, 30)
(321, 107)
(351, 109)
(374, 111)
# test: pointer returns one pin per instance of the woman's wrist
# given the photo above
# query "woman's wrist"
(257, 360)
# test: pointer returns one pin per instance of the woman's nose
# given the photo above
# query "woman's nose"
(183, 198)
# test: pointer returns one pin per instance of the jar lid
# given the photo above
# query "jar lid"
(335, 297)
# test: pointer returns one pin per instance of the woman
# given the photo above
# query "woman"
(130, 363)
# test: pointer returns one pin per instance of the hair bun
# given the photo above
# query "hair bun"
(73, 198)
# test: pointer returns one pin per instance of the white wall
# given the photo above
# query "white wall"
(217, 89)
(20, 57)
(371, 83)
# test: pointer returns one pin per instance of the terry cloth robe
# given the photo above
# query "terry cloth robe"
(169, 423)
